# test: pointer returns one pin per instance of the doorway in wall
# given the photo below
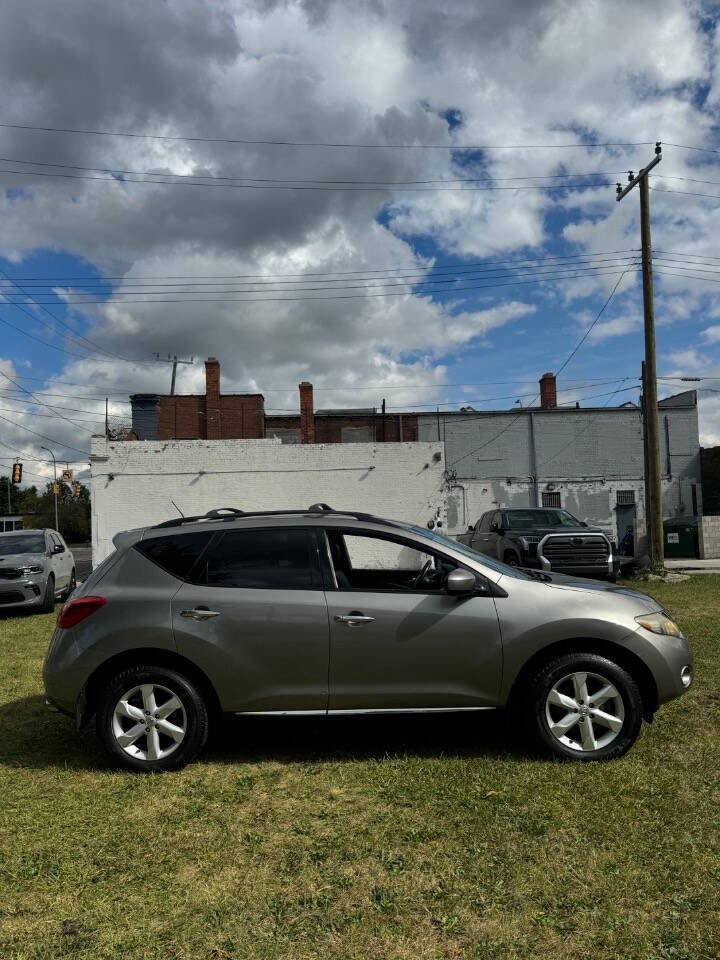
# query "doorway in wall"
(625, 516)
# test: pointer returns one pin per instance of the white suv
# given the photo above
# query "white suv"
(36, 567)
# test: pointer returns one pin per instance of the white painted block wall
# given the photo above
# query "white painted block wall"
(134, 482)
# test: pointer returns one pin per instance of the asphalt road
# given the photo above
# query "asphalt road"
(83, 563)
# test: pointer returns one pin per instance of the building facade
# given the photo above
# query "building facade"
(586, 460)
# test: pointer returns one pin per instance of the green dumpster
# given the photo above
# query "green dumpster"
(680, 536)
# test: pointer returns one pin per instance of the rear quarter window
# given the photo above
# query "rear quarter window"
(176, 554)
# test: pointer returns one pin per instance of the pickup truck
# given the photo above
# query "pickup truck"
(544, 539)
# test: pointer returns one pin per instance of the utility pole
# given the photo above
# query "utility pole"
(107, 430)
(55, 486)
(653, 508)
(174, 361)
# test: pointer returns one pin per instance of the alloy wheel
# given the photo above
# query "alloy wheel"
(149, 722)
(584, 711)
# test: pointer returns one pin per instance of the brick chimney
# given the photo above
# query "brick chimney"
(548, 391)
(212, 399)
(307, 413)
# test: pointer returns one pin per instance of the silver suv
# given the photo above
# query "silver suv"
(36, 567)
(322, 612)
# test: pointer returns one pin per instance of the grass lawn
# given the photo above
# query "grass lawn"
(377, 838)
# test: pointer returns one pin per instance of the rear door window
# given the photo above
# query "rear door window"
(270, 559)
(176, 554)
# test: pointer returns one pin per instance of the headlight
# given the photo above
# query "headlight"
(34, 569)
(525, 542)
(659, 623)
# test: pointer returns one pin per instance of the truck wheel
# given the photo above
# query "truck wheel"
(582, 706)
(512, 559)
(152, 719)
(48, 603)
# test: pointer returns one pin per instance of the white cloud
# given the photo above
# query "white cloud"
(370, 72)
(712, 334)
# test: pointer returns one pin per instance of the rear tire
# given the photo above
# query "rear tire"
(583, 707)
(152, 719)
(48, 603)
(70, 587)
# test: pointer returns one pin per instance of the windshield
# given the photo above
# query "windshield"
(472, 554)
(12, 544)
(524, 519)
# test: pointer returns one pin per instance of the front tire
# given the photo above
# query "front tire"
(152, 719)
(582, 706)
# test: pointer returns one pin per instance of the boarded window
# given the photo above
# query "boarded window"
(551, 500)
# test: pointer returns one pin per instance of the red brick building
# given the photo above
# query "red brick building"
(208, 416)
(241, 416)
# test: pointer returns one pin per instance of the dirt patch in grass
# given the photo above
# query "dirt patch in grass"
(377, 838)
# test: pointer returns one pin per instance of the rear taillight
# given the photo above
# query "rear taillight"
(79, 609)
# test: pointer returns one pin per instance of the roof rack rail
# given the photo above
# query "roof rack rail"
(232, 513)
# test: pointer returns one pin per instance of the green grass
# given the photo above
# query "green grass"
(375, 838)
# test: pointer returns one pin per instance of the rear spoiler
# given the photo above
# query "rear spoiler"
(125, 539)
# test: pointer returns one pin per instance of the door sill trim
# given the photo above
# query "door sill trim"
(340, 713)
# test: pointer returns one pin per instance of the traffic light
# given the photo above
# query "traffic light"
(17, 473)
(76, 492)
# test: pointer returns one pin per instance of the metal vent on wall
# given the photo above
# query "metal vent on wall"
(551, 500)
(625, 496)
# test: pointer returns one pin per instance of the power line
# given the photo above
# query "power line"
(245, 186)
(686, 193)
(470, 400)
(329, 273)
(145, 285)
(587, 332)
(310, 143)
(19, 386)
(562, 367)
(403, 293)
(297, 180)
(374, 283)
(60, 443)
(57, 319)
(686, 146)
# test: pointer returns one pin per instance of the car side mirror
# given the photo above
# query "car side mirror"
(58, 548)
(461, 582)
(470, 527)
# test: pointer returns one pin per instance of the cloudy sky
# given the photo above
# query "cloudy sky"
(291, 201)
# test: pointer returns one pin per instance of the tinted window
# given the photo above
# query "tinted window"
(176, 554)
(541, 518)
(484, 524)
(259, 559)
(14, 544)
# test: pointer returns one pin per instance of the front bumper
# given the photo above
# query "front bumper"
(666, 657)
(23, 592)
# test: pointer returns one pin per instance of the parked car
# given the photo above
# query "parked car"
(36, 568)
(322, 612)
(543, 539)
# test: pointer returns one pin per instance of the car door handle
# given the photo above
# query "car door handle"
(199, 613)
(354, 620)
